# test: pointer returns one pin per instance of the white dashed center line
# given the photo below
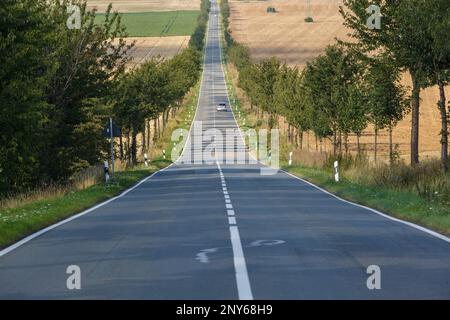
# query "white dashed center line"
(240, 266)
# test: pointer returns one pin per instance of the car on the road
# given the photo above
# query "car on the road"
(222, 107)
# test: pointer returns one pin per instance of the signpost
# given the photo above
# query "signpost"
(111, 131)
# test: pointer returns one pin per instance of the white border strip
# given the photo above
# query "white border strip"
(53, 226)
(243, 283)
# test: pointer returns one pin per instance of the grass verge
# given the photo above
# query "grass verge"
(403, 204)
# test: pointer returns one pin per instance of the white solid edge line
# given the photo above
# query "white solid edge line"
(78, 215)
(410, 224)
(242, 280)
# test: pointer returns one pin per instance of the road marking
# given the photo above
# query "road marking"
(230, 212)
(259, 243)
(229, 206)
(242, 280)
(202, 256)
(232, 220)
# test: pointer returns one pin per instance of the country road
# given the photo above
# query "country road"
(224, 231)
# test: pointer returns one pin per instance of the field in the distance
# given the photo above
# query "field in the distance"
(159, 27)
(158, 24)
(286, 35)
(144, 5)
(148, 47)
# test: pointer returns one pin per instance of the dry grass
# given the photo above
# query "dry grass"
(286, 35)
(80, 181)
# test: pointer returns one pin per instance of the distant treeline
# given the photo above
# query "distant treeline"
(58, 87)
(355, 84)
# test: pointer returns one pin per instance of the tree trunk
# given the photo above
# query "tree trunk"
(301, 139)
(159, 127)
(144, 144)
(317, 143)
(155, 128)
(346, 143)
(375, 147)
(296, 136)
(391, 145)
(358, 144)
(128, 145)
(415, 114)
(289, 132)
(307, 140)
(133, 146)
(335, 143)
(444, 127)
(149, 134)
(121, 148)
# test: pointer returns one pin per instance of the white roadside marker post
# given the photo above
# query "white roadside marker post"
(146, 159)
(164, 154)
(106, 170)
(336, 171)
(290, 158)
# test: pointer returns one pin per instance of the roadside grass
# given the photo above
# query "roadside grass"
(419, 195)
(158, 24)
(24, 215)
(403, 204)
(18, 222)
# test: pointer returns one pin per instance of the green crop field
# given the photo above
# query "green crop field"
(158, 24)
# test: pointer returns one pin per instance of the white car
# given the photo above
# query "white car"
(222, 107)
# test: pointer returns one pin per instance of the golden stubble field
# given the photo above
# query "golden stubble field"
(148, 47)
(285, 34)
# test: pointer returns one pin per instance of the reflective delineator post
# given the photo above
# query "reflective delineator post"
(106, 170)
(164, 154)
(146, 159)
(290, 158)
(336, 171)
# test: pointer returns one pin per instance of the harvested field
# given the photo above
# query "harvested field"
(148, 47)
(286, 35)
(144, 5)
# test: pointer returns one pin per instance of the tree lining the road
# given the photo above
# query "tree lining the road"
(352, 85)
(58, 86)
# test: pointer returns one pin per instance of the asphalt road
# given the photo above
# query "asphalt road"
(224, 231)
